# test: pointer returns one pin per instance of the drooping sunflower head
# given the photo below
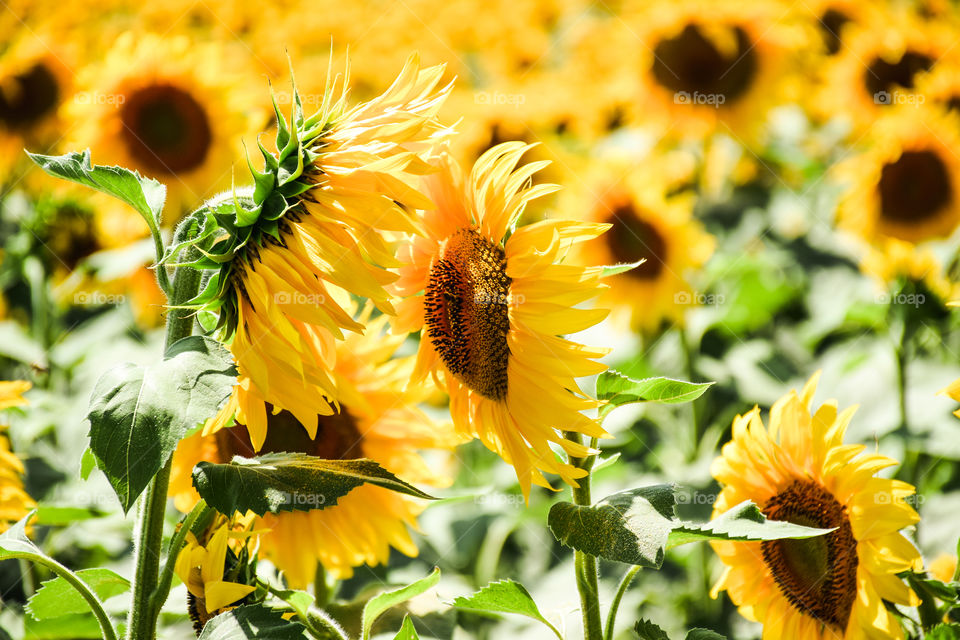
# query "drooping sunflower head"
(905, 185)
(313, 230)
(169, 108)
(650, 225)
(798, 470)
(493, 300)
(377, 419)
(15, 502)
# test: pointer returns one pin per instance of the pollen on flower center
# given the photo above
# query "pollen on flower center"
(632, 239)
(914, 187)
(166, 129)
(35, 93)
(691, 62)
(466, 312)
(338, 438)
(817, 575)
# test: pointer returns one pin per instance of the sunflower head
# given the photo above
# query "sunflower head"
(15, 502)
(798, 470)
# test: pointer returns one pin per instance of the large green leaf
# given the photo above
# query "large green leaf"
(289, 482)
(505, 596)
(648, 630)
(381, 602)
(637, 526)
(617, 389)
(57, 597)
(69, 627)
(253, 621)
(138, 415)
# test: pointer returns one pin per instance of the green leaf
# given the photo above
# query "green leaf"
(744, 522)
(648, 630)
(383, 601)
(407, 630)
(603, 463)
(88, 462)
(146, 195)
(53, 515)
(616, 269)
(69, 627)
(944, 632)
(630, 526)
(505, 596)
(617, 389)
(252, 621)
(637, 526)
(138, 415)
(289, 482)
(57, 597)
(14, 542)
(704, 634)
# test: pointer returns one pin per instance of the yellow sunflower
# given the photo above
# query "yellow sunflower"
(880, 66)
(169, 108)
(377, 420)
(15, 503)
(906, 184)
(704, 63)
(952, 391)
(833, 18)
(648, 225)
(492, 301)
(894, 259)
(799, 470)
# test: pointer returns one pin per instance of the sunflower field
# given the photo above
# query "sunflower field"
(450, 319)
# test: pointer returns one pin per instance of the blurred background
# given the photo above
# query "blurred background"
(789, 170)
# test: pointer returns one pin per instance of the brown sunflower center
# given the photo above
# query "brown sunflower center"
(914, 187)
(831, 22)
(165, 129)
(32, 95)
(632, 239)
(692, 63)
(887, 76)
(818, 575)
(466, 312)
(338, 438)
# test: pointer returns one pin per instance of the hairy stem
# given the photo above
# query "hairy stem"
(585, 564)
(615, 605)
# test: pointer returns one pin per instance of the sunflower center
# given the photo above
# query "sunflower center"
(818, 575)
(914, 187)
(166, 129)
(831, 22)
(692, 63)
(33, 95)
(632, 239)
(338, 437)
(887, 76)
(467, 312)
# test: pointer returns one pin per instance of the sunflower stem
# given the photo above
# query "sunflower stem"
(148, 534)
(625, 583)
(585, 565)
(160, 594)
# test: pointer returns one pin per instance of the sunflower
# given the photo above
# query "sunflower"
(15, 503)
(216, 567)
(952, 391)
(377, 419)
(492, 308)
(798, 470)
(34, 81)
(314, 229)
(906, 185)
(894, 260)
(169, 108)
(880, 66)
(833, 18)
(703, 63)
(646, 224)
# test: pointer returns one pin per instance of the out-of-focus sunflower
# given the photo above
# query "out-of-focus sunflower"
(216, 567)
(883, 60)
(943, 567)
(377, 420)
(952, 391)
(15, 503)
(892, 260)
(492, 301)
(169, 108)
(704, 63)
(941, 87)
(906, 185)
(313, 229)
(648, 225)
(34, 80)
(799, 470)
(833, 18)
